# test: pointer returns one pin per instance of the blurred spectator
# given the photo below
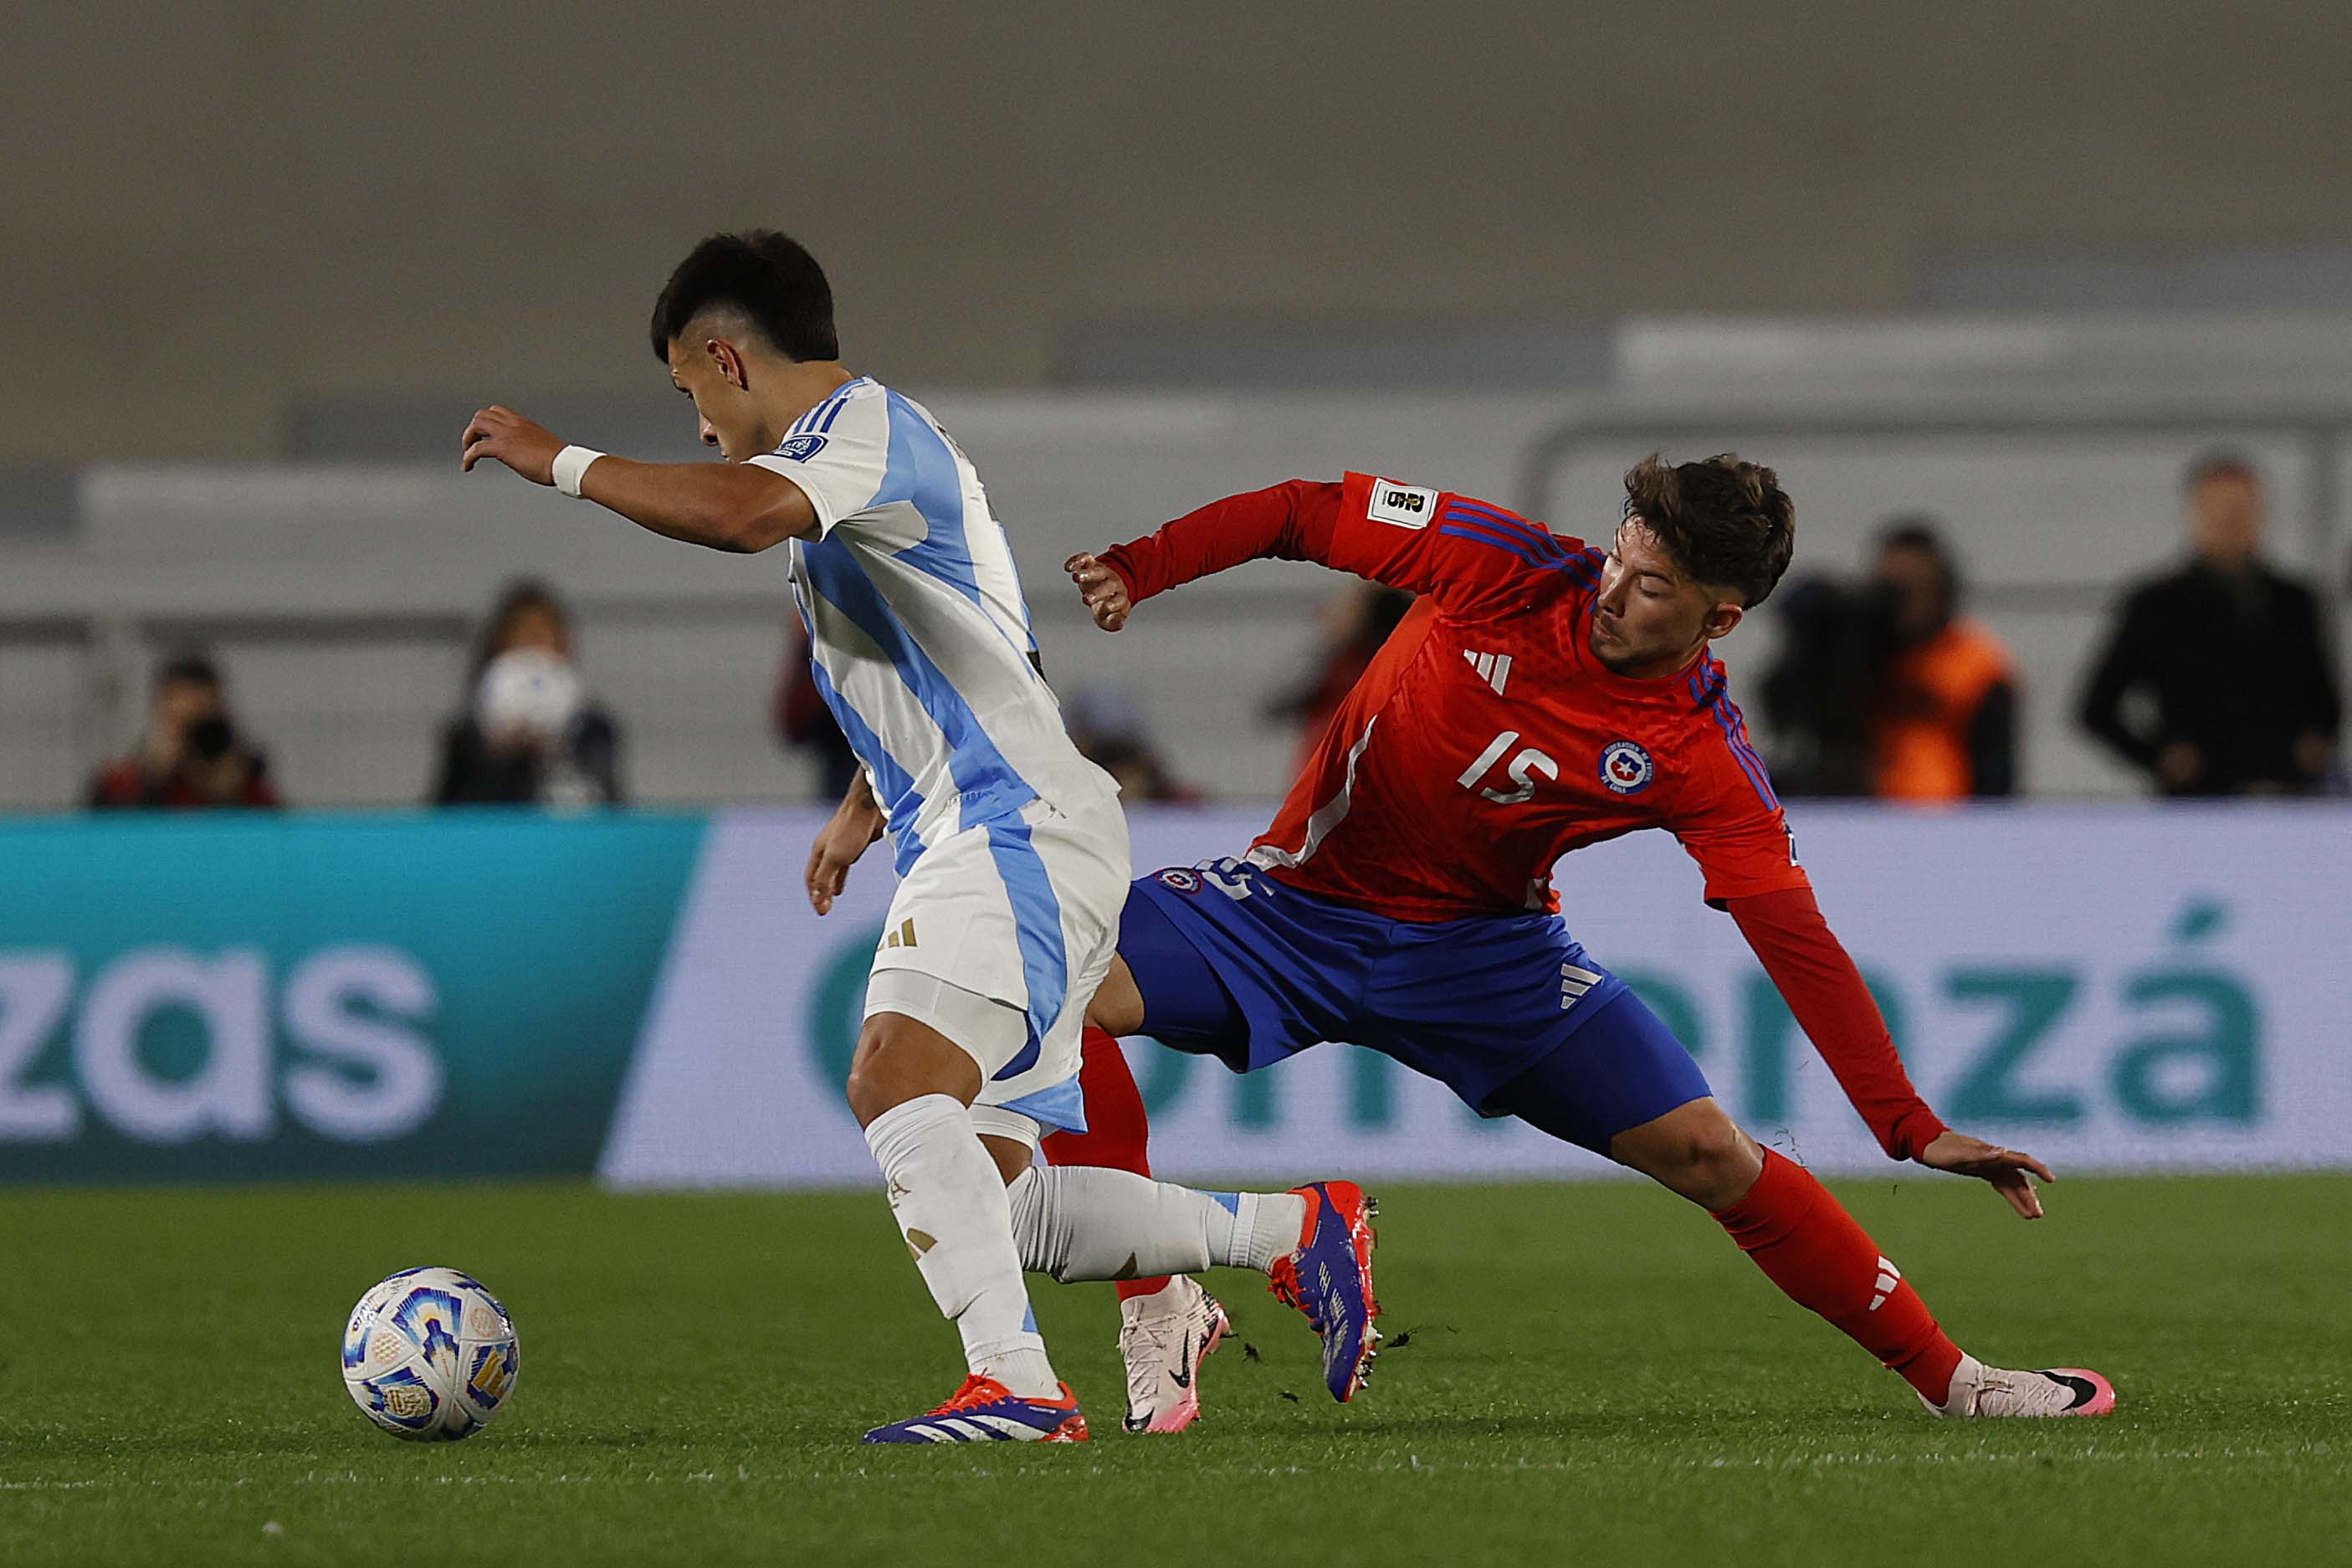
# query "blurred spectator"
(799, 719)
(1943, 705)
(1355, 624)
(193, 755)
(2228, 655)
(1107, 728)
(529, 733)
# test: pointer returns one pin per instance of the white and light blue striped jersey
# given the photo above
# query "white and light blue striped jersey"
(916, 626)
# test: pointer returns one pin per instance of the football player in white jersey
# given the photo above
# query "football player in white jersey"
(1009, 848)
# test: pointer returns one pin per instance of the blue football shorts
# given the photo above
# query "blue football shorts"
(1508, 1011)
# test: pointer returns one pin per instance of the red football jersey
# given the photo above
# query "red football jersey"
(1485, 741)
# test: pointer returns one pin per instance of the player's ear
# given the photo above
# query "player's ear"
(730, 361)
(1723, 617)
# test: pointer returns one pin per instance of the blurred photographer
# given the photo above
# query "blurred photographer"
(193, 755)
(1883, 688)
(529, 733)
(1943, 708)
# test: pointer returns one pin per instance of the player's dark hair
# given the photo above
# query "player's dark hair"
(2218, 465)
(1724, 521)
(769, 277)
(524, 596)
(187, 669)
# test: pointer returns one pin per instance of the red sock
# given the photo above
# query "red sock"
(1117, 1132)
(1809, 1246)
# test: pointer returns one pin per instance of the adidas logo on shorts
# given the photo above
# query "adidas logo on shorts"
(1574, 982)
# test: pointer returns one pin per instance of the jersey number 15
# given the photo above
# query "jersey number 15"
(1522, 770)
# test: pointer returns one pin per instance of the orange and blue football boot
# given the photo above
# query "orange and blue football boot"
(1328, 1277)
(984, 1410)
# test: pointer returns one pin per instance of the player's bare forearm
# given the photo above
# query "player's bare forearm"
(859, 803)
(722, 506)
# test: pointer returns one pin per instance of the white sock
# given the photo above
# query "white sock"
(949, 1200)
(1085, 1222)
(1267, 1226)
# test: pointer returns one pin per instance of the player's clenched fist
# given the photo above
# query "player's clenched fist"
(1104, 590)
(500, 431)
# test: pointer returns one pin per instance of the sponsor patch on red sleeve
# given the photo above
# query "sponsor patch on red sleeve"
(1406, 506)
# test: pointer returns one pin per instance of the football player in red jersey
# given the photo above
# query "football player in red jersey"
(1544, 695)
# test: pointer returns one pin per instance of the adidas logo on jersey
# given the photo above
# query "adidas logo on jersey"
(1494, 669)
(1574, 982)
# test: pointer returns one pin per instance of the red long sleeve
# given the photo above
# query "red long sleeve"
(1826, 994)
(1471, 557)
(1224, 534)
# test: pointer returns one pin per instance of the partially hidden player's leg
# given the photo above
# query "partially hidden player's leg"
(1119, 1132)
(1623, 1086)
(1079, 1222)
(1092, 1214)
(1095, 1222)
(911, 1084)
(1168, 1324)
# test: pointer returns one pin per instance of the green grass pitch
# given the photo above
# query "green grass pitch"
(1592, 1374)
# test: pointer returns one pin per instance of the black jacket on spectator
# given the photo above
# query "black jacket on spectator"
(472, 772)
(2236, 666)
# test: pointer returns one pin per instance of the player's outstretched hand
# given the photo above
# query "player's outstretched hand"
(1104, 590)
(500, 431)
(2011, 1171)
(838, 844)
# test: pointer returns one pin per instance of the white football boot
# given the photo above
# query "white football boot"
(1992, 1391)
(1164, 1337)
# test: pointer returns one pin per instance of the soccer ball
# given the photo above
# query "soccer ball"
(429, 1355)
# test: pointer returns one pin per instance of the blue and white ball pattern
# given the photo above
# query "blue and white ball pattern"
(430, 1354)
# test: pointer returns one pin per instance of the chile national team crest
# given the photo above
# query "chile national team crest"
(1626, 768)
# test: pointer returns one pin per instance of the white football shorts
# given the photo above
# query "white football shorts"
(1024, 912)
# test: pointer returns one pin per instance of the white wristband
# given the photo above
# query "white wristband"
(572, 463)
